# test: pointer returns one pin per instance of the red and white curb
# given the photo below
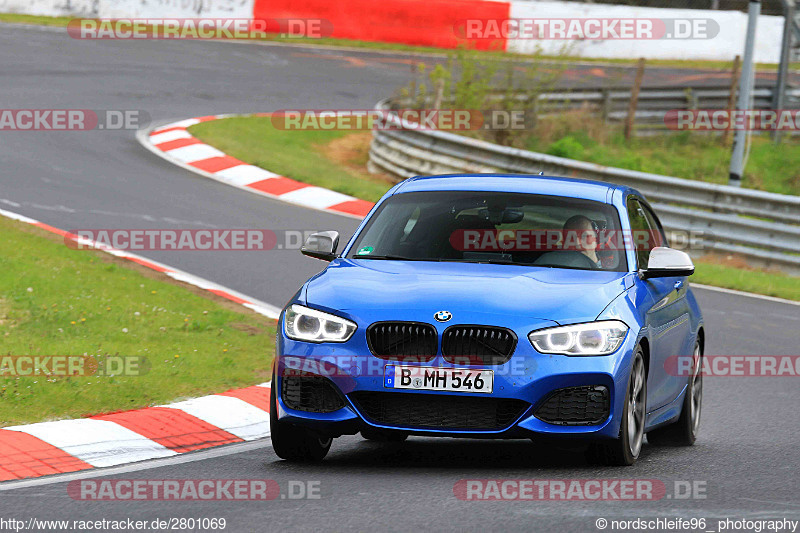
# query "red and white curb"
(112, 439)
(174, 143)
(118, 438)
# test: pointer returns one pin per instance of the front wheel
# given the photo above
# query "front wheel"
(291, 442)
(684, 431)
(625, 449)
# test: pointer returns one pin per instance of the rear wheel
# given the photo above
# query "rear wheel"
(291, 442)
(684, 431)
(625, 449)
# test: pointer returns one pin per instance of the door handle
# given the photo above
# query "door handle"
(678, 285)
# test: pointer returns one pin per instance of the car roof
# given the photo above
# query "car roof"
(520, 183)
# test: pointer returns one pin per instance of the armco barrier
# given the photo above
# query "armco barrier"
(762, 226)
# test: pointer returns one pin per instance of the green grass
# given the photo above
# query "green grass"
(35, 19)
(58, 301)
(684, 155)
(295, 154)
(760, 282)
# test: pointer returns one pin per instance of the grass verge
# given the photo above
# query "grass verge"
(712, 270)
(332, 159)
(59, 301)
(337, 160)
(583, 136)
(14, 18)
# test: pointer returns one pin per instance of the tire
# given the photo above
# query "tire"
(294, 443)
(683, 432)
(379, 435)
(625, 449)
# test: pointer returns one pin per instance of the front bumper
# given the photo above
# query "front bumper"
(528, 376)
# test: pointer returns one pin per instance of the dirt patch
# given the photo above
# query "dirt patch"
(247, 328)
(5, 307)
(352, 153)
(733, 261)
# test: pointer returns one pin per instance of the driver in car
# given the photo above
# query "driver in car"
(580, 234)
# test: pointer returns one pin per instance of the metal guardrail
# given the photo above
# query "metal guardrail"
(764, 227)
(654, 102)
(611, 104)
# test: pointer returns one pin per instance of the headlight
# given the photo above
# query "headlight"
(594, 338)
(304, 324)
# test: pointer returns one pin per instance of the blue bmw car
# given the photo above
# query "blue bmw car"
(493, 306)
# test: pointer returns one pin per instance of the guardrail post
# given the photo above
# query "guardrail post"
(746, 86)
(783, 70)
(637, 85)
(692, 101)
(606, 106)
(737, 61)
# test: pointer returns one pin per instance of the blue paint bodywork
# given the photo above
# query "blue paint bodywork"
(662, 315)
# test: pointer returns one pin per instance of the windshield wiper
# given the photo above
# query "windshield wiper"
(482, 261)
(388, 257)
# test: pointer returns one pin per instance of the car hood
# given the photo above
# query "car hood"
(560, 295)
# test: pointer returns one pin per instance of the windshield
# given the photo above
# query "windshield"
(493, 227)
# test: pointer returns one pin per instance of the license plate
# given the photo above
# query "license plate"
(438, 379)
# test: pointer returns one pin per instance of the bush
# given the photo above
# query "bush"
(568, 147)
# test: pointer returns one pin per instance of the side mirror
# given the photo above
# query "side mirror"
(321, 245)
(667, 262)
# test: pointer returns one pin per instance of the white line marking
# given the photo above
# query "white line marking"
(747, 294)
(17, 217)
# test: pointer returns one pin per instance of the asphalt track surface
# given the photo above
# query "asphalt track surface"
(747, 454)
